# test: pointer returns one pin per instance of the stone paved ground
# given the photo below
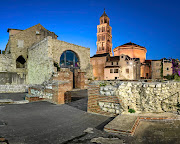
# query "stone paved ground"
(13, 96)
(46, 123)
(167, 132)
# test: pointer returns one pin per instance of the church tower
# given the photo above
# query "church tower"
(104, 36)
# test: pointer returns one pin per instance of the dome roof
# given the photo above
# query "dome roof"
(131, 44)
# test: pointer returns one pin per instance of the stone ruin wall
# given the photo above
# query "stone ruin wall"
(142, 97)
(6, 63)
(40, 63)
(13, 88)
(10, 80)
(83, 53)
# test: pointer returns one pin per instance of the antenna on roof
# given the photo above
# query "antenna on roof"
(104, 9)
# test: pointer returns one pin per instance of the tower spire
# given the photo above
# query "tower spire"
(104, 36)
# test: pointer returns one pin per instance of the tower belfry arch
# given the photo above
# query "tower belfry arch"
(104, 35)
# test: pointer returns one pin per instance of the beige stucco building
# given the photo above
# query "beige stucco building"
(122, 67)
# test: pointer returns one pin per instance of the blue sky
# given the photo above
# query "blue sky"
(154, 24)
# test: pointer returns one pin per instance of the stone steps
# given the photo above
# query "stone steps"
(10, 101)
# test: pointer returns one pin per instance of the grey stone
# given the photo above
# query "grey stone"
(89, 130)
(102, 140)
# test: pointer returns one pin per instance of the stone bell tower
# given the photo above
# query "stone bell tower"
(104, 36)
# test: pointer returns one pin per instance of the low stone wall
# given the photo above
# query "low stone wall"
(140, 96)
(12, 78)
(13, 88)
(149, 97)
(101, 104)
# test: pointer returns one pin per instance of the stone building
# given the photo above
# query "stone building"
(132, 50)
(161, 68)
(32, 53)
(98, 63)
(146, 69)
(102, 69)
(122, 67)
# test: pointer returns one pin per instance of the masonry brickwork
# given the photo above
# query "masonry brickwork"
(104, 105)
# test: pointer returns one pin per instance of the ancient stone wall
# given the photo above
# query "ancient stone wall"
(12, 78)
(20, 42)
(40, 62)
(142, 97)
(102, 104)
(13, 88)
(83, 53)
(5, 63)
(54, 90)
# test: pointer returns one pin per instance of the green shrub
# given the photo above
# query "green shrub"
(177, 78)
(57, 65)
(131, 111)
(169, 77)
(102, 84)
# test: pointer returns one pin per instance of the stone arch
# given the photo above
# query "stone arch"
(20, 62)
(69, 59)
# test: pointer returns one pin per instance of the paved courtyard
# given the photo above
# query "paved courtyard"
(46, 123)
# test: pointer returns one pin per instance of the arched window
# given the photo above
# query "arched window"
(69, 59)
(20, 62)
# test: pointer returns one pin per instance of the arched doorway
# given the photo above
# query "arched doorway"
(20, 62)
(69, 59)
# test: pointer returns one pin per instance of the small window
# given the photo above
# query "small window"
(167, 69)
(111, 70)
(115, 70)
(117, 63)
(103, 29)
(37, 32)
(101, 21)
(127, 70)
(20, 43)
(121, 56)
(102, 48)
(111, 63)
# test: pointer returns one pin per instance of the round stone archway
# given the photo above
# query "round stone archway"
(70, 59)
